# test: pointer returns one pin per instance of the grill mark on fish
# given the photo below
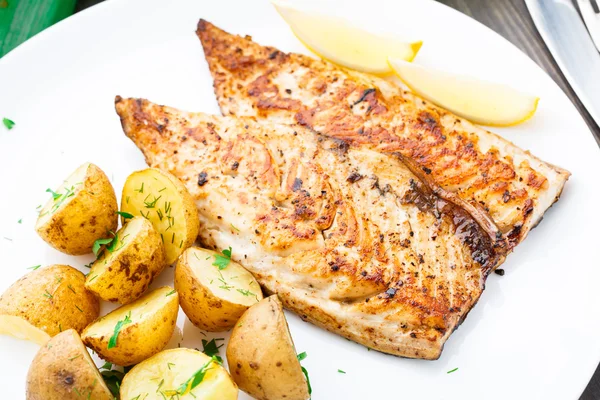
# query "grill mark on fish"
(320, 239)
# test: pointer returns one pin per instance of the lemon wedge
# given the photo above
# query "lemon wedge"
(341, 43)
(479, 101)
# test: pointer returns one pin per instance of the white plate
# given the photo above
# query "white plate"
(535, 332)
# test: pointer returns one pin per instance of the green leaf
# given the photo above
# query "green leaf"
(211, 349)
(8, 123)
(113, 379)
(110, 243)
(113, 339)
(305, 372)
(223, 260)
(195, 379)
(107, 365)
(301, 357)
(54, 194)
(124, 214)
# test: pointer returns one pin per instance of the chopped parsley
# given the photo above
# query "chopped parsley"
(222, 260)
(124, 214)
(452, 370)
(341, 372)
(113, 378)
(211, 348)
(20, 221)
(171, 292)
(197, 378)
(246, 292)
(8, 123)
(107, 365)
(34, 267)
(47, 294)
(113, 339)
(151, 204)
(60, 198)
(301, 357)
(111, 243)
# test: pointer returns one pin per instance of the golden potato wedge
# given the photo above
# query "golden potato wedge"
(135, 331)
(81, 211)
(128, 265)
(262, 357)
(50, 300)
(63, 369)
(169, 375)
(163, 200)
(212, 298)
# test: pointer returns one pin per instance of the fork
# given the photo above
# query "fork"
(591, 16)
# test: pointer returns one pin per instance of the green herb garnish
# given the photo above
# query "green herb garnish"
(211, 349)
(194, 380)
(452, 370)
(223, 260)
(8, 123)
(34, 267)
(171, 292)
(301, 357)
(124, 214)
(113, 339)
(341, 372)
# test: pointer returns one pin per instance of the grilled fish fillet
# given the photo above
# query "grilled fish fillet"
(349, 237)
(489, 174)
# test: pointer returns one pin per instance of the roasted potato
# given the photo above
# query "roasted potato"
(50, 300)
(163, 200)
(128, 265)
(63, 369)
(135, 331)
(261, 354)
(81, 211)
(213, 298)
(170, 375)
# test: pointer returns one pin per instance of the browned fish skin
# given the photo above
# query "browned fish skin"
(500, 183)
(349, 238)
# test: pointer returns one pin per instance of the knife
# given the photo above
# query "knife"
(591, 17)
(571, 46)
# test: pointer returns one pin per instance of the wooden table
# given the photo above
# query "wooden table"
(511, 19)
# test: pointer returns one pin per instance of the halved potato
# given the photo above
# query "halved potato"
(46, 302)
(136, 331)
(124, 270)
(261, 354)
(212, 298)
(81, 211)
(169, 375)
(63, 369)
(163, 200)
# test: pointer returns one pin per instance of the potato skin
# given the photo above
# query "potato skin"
(62, 370)
(205, 309)
(128, 276)
(53, 299)
(261, 354)
(87, 217)
(137, 340)
(174, 367)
